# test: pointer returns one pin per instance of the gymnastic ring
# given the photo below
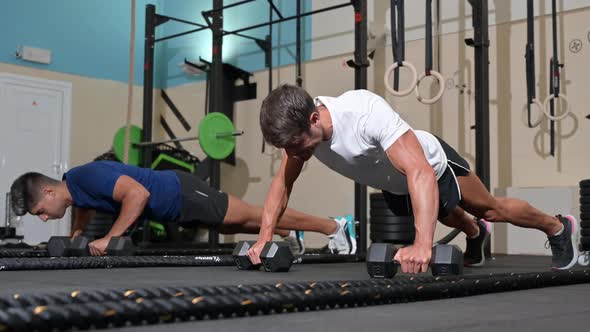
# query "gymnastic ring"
(391, 69)
(436, 97)
(537, 103)
(556, 117)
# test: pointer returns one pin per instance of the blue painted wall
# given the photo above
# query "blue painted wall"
(91, 37)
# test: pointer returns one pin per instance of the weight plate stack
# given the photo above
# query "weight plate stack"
(99, 226)
(386, 227)
(585, 215)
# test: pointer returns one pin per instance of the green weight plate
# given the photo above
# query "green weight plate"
(213, 146)
(119, 145)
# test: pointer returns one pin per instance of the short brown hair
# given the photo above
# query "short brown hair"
(284, 114)
(25, 191)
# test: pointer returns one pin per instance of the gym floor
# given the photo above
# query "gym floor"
(537, 309)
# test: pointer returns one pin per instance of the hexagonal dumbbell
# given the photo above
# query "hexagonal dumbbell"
(277, 257)
(240, 256)
(59, 246)
(446, 260)
(121, 246)
(380, 263)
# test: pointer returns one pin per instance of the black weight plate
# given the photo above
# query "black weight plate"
(585, 200)
(585, 216)
(585, 209)
(391, 238)
(585, 232)
(585, 242)
(382, 212)
(392, 228)
(392, 220)
(585, 183)
(376, 197)
(378, 205)
(385, 237)
(585, 224)
(584, 191)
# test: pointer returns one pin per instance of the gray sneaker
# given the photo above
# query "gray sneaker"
(342, 242)
(564, 246)
(474, 250)
(295, 240)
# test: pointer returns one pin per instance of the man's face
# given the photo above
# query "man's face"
(49, 206)
(302, 147)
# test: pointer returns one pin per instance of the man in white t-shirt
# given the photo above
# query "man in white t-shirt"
(359, 136)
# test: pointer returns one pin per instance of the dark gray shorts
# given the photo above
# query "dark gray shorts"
(201, 203)
(449, 193)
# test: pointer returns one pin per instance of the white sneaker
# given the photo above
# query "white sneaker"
(295, 240)
(341, 242)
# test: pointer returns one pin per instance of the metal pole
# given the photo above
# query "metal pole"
(299, 79)
(194, 138)
(216, 98)
(360, 82)
(148, 81)
(481, 46)
(554, 74)
(482, 93)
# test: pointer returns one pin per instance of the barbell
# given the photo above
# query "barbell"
(216, 138)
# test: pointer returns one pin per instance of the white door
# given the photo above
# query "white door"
(34, 126)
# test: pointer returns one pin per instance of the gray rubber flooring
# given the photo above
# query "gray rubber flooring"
(543, 309)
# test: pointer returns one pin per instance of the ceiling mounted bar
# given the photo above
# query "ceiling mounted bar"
(239, 3)
(287, 19)
(183, 21)
(180, 34)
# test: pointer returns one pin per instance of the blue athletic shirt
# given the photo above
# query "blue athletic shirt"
(92, 185)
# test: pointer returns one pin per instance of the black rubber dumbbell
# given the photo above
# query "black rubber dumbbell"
(240, 256)
(59, 246)
(446, 260)
(380, 263)
(275, 256)
(79, 246)
(121, 246)
(64, 246)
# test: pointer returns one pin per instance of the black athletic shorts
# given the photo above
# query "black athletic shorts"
(201, 203)
(449, 193)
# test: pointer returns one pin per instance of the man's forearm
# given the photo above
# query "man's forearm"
(424, 195)
(131, 208)
(273, 209)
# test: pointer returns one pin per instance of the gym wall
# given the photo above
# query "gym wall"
(518, 154)
(99, 103)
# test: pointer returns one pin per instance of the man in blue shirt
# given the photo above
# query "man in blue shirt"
(168, 196)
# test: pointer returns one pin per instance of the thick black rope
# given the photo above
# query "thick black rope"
(117, 294)
(68, 263)
(141, 310)
(72, 263)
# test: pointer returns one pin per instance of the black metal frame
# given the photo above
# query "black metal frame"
(481, 43)
(214, 20)
(361, 62)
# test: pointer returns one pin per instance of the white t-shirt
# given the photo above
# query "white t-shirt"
(364, 126)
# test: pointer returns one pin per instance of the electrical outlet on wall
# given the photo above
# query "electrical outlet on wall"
(33, 54)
